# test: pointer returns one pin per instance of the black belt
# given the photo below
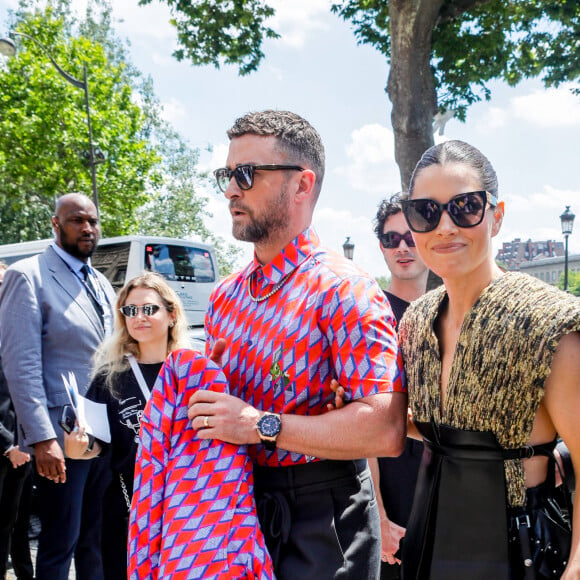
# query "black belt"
(295, 476)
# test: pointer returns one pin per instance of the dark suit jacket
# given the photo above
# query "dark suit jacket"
(48, 327)
(7, 416)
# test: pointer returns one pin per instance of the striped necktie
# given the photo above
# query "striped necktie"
(92, 292)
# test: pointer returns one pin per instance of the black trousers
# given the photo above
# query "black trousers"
(320, 520)
(71, 520)
(115, 531)
(15, 485)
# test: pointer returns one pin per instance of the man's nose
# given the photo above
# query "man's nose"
(233, 189)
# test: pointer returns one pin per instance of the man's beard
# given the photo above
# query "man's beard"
(260, 229)
(73, 248)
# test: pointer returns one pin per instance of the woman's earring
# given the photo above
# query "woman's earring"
(171, 324)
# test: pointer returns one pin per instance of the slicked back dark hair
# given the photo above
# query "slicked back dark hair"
(296, 137)
(458, 152)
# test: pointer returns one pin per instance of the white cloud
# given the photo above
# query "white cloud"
(334, 225)
(372, 166)
(173, 111)
(537, 216)
(493, 119)
(548, 107)
(295, 20)
(214, 158)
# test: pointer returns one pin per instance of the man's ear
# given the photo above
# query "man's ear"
(306, 185)
(498, 213)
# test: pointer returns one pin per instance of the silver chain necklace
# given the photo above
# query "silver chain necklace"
(271, 293)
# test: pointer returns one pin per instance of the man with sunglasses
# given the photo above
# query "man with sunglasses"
(398, 476)
(297, 317)
(54, 312)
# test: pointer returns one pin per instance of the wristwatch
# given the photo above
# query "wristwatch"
(268, 427)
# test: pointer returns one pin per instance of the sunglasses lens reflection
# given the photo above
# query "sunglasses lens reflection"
(130, 310)
(465, 210)
(392, 240)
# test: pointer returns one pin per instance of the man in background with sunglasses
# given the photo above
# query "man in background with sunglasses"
(54, 312)
(398, 476)
(297, 317)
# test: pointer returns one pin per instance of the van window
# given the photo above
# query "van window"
(112, 260)
(180, 263)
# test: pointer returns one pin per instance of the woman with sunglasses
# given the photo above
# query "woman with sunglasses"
(493, 367)
(149, 323)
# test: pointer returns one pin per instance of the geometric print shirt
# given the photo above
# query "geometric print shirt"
(325, 319)
(193, 514)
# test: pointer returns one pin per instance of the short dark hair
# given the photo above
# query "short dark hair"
(387, 208)
(450, 152)
(296, 137)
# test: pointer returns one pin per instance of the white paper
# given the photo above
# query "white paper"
(95, 419)
(90, 414)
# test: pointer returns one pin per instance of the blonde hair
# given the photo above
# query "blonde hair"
(111, 357)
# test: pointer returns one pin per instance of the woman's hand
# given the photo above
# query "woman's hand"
(76, 444)
(17, 457)
(391, 534)
(339, 396)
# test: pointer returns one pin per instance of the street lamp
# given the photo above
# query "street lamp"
(8, 49)
(348, 248)
(567, 220)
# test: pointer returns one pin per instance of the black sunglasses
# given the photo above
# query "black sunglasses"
(244, 174)
(466, 210)
(130, 310)
(392, 240)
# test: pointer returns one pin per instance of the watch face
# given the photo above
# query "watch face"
(269, 425)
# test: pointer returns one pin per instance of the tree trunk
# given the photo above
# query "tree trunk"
(410, 86)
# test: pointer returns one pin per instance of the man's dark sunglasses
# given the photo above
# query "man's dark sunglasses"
(244, 174)
(392, 240)
(130, 310)
(466, 210)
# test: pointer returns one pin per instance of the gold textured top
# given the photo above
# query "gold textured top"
(502, 359)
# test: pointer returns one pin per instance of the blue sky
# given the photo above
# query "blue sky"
(317, 70)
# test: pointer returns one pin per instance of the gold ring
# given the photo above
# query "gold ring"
(206, 422)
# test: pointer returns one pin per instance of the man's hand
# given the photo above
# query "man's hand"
(222, 416)
(50, 460)
(17, 457)
(217, 351)
(391, 535)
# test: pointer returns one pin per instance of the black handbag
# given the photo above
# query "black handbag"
(540, 534)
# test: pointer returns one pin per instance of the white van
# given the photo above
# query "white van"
(190, 268)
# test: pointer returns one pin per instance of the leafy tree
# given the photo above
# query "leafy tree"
(177, 209)
(43, 133)
(148, 181)
(383, 281)
(442, 53)
(573, 283)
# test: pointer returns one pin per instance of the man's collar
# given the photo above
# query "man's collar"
(73, 263)
(294, 254)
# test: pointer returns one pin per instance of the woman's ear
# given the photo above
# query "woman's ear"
(498, 213)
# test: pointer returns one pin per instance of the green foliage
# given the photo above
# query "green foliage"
(573, 283)
(177, 209)
(221, 31)
(383, 281)
(148, 182)
(43, 134)
(475, 41)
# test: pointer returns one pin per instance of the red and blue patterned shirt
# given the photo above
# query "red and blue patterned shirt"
(193, 514)
(326, 320)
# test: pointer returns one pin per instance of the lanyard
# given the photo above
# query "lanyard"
(139, 376)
